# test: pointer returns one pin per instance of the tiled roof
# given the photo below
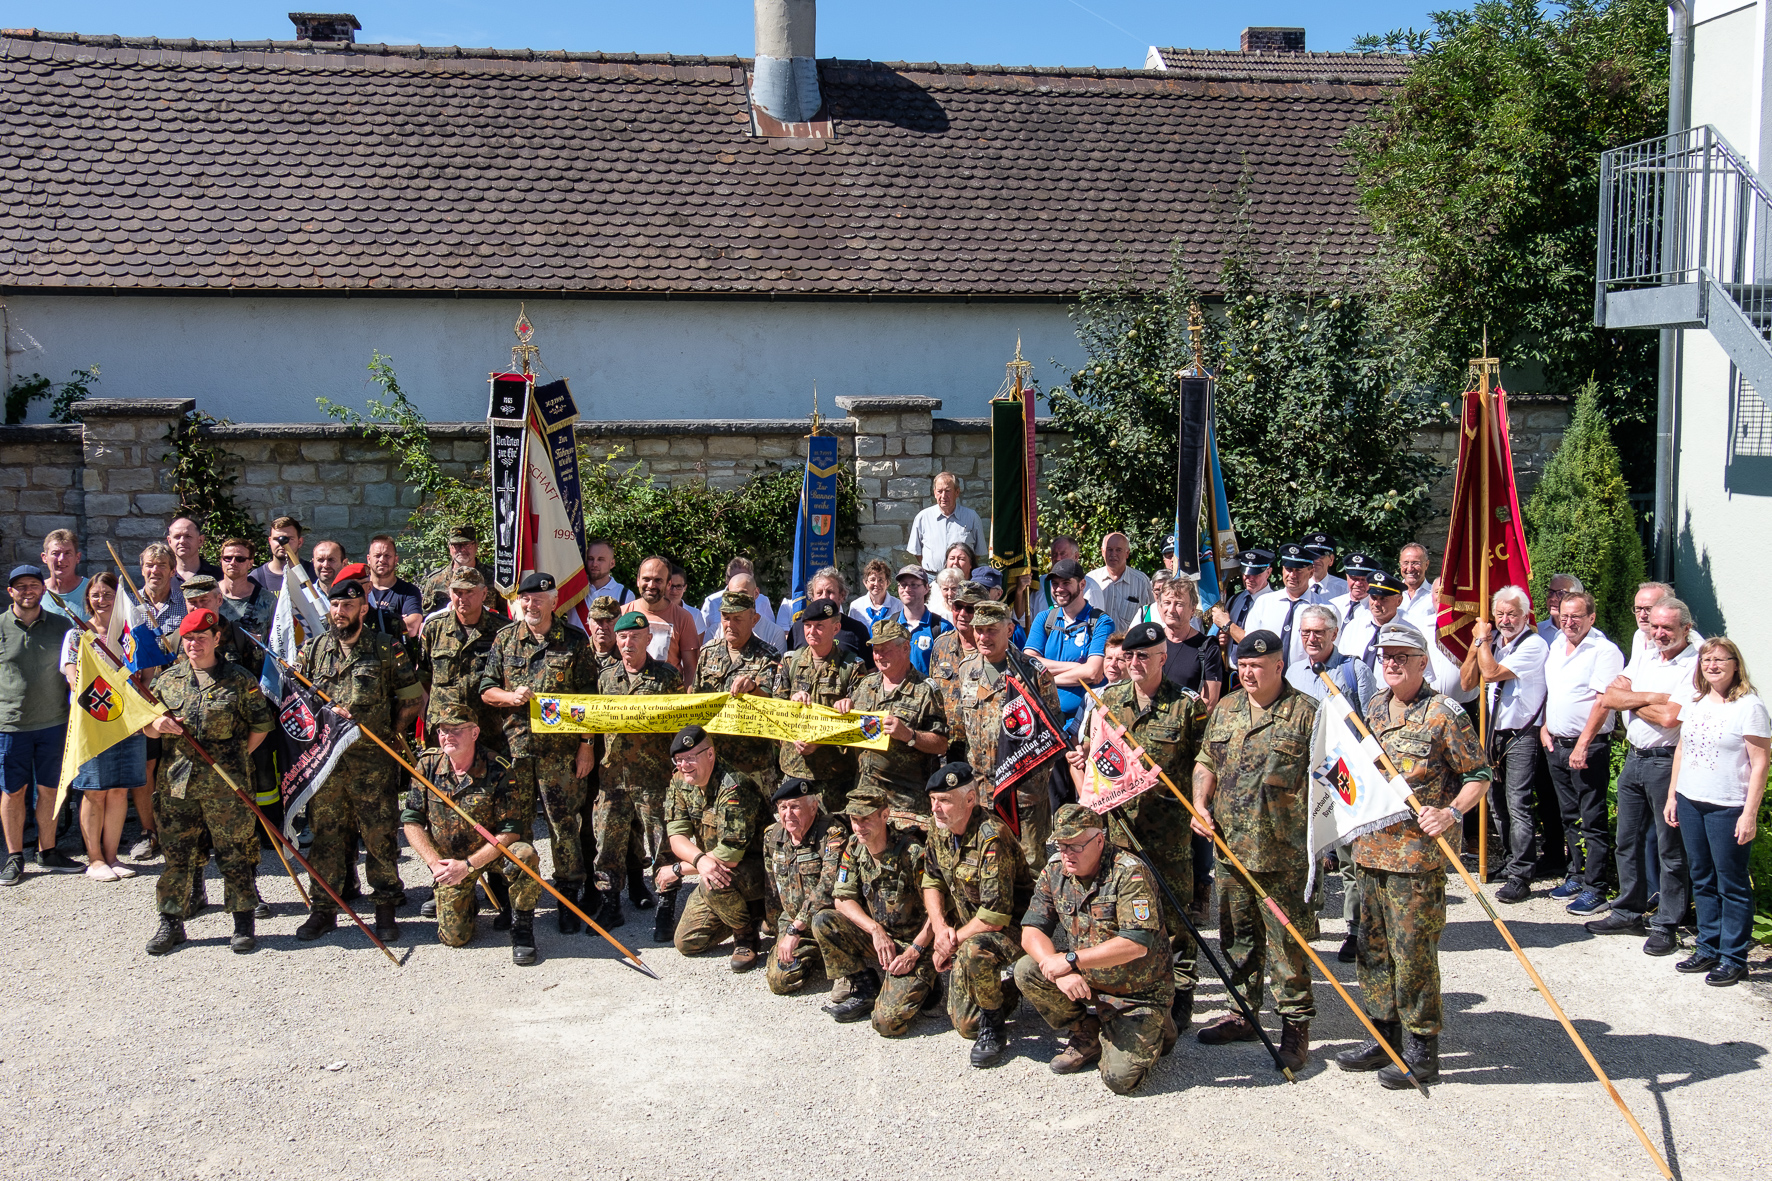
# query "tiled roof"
(142, 164)
(1385, 69)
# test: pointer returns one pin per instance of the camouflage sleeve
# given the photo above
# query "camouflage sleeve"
(935, 714)
(679, 820)
(412, 804)
(700, 684)
(996, 881)
(493, 677)
(846, 885)
(427, 637)
(259, 718)
(1137, 914)
(402, 681)
(1041, 914)
(932, 871)
(509, 817)
(1464, 754)
(1048, 690)
(671, 680)
(304, 660)
(1208, 756)
(737, 812)
(819, 897)
(784, 678)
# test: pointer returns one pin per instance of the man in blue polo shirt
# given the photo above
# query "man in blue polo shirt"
(923, 624)
(1070, 639)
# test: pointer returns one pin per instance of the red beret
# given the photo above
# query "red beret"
(198, 620)
(352, 573)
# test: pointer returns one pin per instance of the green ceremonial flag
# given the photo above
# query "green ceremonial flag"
(1011, 432)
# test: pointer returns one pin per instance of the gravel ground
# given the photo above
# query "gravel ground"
(322, 1060)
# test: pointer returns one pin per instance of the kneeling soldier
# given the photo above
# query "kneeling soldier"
(1119, 957)
(714, 821)
(878, 924)
(802, 849)
(485, 785)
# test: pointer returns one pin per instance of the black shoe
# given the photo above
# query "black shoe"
(1695, 963)
(1422, 1054)
(569, 923)
(1350, 950)
(864, 989)
(353, 887)
(637, 892)
(988, 1047)
(1181, 1009)
(243, 940)
(523, 939)
(1616, 924)
(1724, 975)
(317, 923)
(262, 911)
(500, 890)
(54, 861)
(169, 935)
(1516, 890)
(609, 915)
(386, 928)
(1661, 941)
(1370, 1055)
(664, 922)
(428, 909)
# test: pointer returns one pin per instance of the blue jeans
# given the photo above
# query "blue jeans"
(1720, 890)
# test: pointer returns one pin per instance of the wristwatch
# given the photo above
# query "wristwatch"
(1457, 816)
(1070, 957)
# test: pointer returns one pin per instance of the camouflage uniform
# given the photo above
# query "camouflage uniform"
(1169, 730)
(221, 708)
(433, 592)
(801, 877)
(830, 769)
(725, 819)
(901, 770)
(946, 656)
(373, 679)
(1132, 999)
(981, 695)
(715, 670)
(632, 777)
(889, 888)
(490, 794)
(561, 662)
(451, 661)
(1261, 808)
(982, 874)
(1401, 870)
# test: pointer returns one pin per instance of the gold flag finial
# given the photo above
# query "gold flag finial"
(1196, 330)
(817, 418)
(1485, 371)
(1018, 371)
(523, 352)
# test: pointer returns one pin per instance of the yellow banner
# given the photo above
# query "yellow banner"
(106, 710)
(748, 716)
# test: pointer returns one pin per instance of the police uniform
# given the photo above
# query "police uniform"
(1326, 588)
(827, 681)
(1240, 603)
(901, 770)
(633, 773)
(1362, 565)
(802, 874)
(1277, 612)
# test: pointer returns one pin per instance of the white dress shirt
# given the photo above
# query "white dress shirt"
(1357, 635)
(1443, 671)
(1575, 679)
(1640, 642)
(612, 588)
(1420, 609)
(1514, 704)
(710, 614)
(1649, 673)
(1122, 598)
(933, 531)
(1268, 613)
(1326, 589)
(859, 609)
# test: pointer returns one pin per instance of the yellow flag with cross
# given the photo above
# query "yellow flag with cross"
(106, 710)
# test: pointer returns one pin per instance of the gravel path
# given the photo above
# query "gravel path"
(460, 1065)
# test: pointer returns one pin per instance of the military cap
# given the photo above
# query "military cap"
(632, 621)
(793, 788)
(889, 631)
(1074, 820)
(466, 579)
(345, 588)
(26, 571)
(988, 577)
(605, 608)
(1385, 583)
(1258, 643)
(687, 739)
(819, 609)
(951, 777)
(1319, 543)
(464, 535)
(1143, 635)
(736, 602)
(198, 620)
(865, 801)
(913, 571)
(455, 714)
(350, 573)
(1296, 555)
(971, 595)
(1169, 545)
(1256, 556)
(1070, 568)
(199, 584)
(1398, 634)
(536, 581)
(1361, 563)
(990, 611)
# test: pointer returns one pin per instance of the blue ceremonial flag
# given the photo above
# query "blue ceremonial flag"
(815, 534)
(140, 639)
(1218, 545)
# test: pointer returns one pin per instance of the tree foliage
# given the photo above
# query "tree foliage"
(203, 475)
(1481, 174)
(25, 390)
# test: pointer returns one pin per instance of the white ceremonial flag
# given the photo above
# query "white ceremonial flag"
(1350, 795)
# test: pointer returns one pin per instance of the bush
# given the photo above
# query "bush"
(203, 475)
(25, 390)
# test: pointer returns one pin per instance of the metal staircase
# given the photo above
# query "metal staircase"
(1686, 242)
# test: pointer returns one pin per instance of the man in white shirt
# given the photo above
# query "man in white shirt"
(1419, 607)
(1649, 594)
(1278, 612)
(1324, 585)
(599, 562)
(1508, 656)
(1359, 568)
(1551, 626)
(946, 522)
(1578, 669)
(1115, 587)
(1652, 689)
(710, 606)
(1383, 603)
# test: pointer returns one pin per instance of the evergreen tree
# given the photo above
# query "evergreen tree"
(1579, 520)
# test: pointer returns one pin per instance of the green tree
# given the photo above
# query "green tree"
(1579, 520)
(1481, 175)
(204, 475)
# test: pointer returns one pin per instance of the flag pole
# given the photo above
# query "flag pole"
(1538, 983)
(1274, 908)
(1483, 437)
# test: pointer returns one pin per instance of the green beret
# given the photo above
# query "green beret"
(633, 621)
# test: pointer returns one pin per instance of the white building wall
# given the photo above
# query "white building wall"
(1727, 45)
(257, 359)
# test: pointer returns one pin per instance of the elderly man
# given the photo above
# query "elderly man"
(1324, 586)
(464, 555)
(185, 538)
(800, 852)
(634, 772)
(1508, 656)
(33, 722)
(1359, 637)
(715, 818)
(1117, 962)
(1652, 689)
(1069, 639)
(1278, 612)
(739, 662)
(161, 597)
(1648, 594)
(1359, 567)
(1430, 741)
(1579, 668)
(915, 723)
(483, 784)
(1318, 628)
(825, 674)
(945, 523)
(852, 635)
(1559, 586)
(1115, 587)
(61, 574)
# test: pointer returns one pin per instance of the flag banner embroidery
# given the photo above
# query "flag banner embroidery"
(1350, 795)
(315, 736)
(1028, 740)
(815, 536)
(1115, 770)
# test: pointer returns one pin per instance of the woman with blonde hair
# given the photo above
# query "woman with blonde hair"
(1719, 778)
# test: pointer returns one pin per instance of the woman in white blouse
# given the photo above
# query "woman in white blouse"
(104, 782)
(1719, 778)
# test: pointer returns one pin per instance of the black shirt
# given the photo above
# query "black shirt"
(1193, 662)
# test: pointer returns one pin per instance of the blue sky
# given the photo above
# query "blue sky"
(1024, 32)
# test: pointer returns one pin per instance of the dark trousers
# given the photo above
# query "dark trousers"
(1581, 797)
(1514, 756)
(1642, 794)
(1720, 889)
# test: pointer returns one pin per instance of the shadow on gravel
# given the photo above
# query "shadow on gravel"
(1482, 935)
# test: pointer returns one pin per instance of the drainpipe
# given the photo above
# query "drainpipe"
(1667, 379)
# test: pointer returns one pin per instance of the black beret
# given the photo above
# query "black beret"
(535, 581)
(950, 777)
(346, 588)
(1143, 635)
(821, 609)
(793, 788)
(687, 739)
(1258, 643)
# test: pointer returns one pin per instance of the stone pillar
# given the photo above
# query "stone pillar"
(129, 498)
(894, 446)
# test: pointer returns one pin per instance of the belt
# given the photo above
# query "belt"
(1652, 752)
(1515, 732)
(1559, 740)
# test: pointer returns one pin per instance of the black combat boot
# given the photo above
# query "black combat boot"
(609, 915)
(199, 900)
(570, 924)
(170, 934)
(523, 939)
(864, 988)
(988, 1046)
(637, 892)
(428, 908)
(1423, 1056)
(1371, 1055)
(1181, 1009)
(262, 910)
(664, 923)
(501, 898)
(243, 940)
(386, 929)
(318, 923)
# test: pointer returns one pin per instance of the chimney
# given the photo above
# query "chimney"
(335, 27)
(784, 82)
(1273, 41)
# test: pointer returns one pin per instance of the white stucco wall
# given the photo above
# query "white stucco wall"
(1726, 52)
(255, 359)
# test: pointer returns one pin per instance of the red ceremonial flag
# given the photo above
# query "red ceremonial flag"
(1486, 545)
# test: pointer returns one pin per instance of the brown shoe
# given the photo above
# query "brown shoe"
(1170, 1035)
(1228, 1028)
(744, 954)
(1083, 1048)
(1295, 1044)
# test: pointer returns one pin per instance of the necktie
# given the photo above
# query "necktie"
(1247, 601)
(1371, 654)
(1286, 631)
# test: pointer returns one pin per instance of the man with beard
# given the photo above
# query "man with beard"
(675, 635)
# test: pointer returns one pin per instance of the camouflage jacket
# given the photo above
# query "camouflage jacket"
(559, 663)
(433, 592)
(726, 818)
(1169, 730)
(901, 770)
(372, 678)
(889, 887)
(801, 876)
(1436, 750)
(1117, 900)
(981, 871)
(220, 708)
(638, 761)
(451, 661)
(715, 670)
(826, 682)
(946, 656)
(489, 794)
(1262, 802)
(982, 694)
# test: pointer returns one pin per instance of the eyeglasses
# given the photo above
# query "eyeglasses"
(690, 758)
(236, 557)
(1075, 847)
(1139, 657)
(1642, 610)
(1399, 660)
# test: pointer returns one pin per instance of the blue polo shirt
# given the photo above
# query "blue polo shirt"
(1057, 638)
(923, 637)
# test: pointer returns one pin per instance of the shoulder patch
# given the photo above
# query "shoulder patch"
(1141, 910)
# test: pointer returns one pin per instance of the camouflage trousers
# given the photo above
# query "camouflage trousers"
(627, 824)
(1250, 937)
(357, 800)
(711, 915)
(1036, 827)
(1175, 861)
(847, 951)
(1133, 1029)
(230, 827)
(976, 982)
(562, 795)
(1401, 917)
(458, 904)
(789, 978)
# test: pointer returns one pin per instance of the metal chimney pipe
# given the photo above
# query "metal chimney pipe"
(784, 81)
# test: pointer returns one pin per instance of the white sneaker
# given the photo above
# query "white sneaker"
(99, 871)
(121, 870)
